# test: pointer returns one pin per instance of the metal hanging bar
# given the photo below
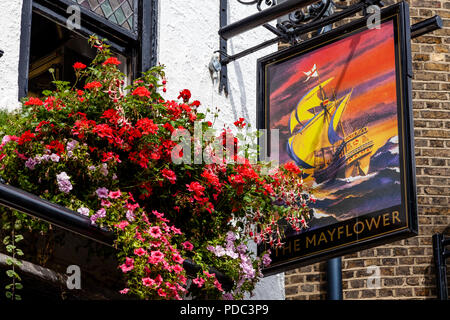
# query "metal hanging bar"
(426, 26)
(262, 17)
(417, 30)
(62, 217)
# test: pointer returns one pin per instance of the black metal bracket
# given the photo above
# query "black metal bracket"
(1, 53)
(440, 256)
(223, 80)
(309, 15)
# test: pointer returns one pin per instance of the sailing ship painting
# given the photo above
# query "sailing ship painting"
(322, 143)
(336, 111)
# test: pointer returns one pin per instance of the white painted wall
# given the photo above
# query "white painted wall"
(187, 39)
(10, 19)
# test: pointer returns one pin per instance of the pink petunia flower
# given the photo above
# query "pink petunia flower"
(156, 257)
(177, 269)
(139, 252)
(161, 293)
(122, 224)
(218, 285)
(128, 265)
(124, 291)
(188, 246)
(148, 282)
(155, 232)
(177, 258)
(115, 194)
(199, 282)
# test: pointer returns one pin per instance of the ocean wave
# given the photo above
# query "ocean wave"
(357, 178)
(394, 140)
(394, 150)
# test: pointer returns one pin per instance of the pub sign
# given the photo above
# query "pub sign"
(341, 103)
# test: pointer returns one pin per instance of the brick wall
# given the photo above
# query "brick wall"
(406, 267)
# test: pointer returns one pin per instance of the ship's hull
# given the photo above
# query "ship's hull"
(352, 158)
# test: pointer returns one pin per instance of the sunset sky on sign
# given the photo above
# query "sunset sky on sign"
(363, 62)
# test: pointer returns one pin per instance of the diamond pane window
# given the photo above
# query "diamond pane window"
(120, 12)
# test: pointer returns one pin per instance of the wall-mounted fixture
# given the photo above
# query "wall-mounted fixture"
(304, 16)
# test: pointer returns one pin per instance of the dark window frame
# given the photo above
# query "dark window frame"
(140, 47)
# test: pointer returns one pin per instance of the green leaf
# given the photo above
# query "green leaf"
(6, 240)
(10, 248)
(8, 294)
(9, 261)
(12, 273)
(18, 238)
(17, 297)
(19, 286)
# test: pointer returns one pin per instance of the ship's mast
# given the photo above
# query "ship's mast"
(323, 94)
(340, 123)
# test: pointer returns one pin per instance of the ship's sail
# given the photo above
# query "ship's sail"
(318, 130)
(304, 110)
(333, 135)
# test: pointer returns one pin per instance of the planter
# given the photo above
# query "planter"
(69, 220)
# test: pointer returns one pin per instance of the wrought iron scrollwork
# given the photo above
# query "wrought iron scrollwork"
(311, 13)
(298, 18)
(259, 3)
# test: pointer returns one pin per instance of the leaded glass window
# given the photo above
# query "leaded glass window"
(130, 27)
(120, 12)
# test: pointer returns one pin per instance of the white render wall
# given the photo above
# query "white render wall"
(10, 19)
(188, 36)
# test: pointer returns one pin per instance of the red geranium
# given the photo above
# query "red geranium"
(79, 66)
(185, 94)
(147, 126)
(240, 123)
(93, 85)
(113, 61)
(169, 175)
(34, 102)
(141, 92)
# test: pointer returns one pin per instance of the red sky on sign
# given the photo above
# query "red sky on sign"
(363, 62)
(353, 62)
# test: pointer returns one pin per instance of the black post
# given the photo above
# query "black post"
(334, 279)
(440, 265)
(262, 17)
(223, 81)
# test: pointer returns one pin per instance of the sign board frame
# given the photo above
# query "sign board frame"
(386, 225)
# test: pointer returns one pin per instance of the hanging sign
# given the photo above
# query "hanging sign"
(341, 103)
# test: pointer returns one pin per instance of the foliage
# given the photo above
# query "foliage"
(12, 226)
(108, 152)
